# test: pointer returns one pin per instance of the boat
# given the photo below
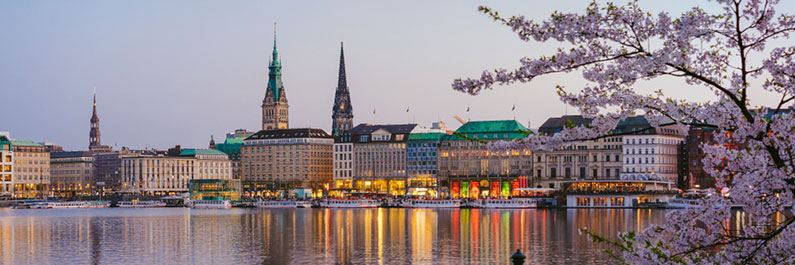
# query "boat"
(420, 203)
(283, 204)
(683, 203)
(72, 205)
(210, 204)
(505, 203)
(140, 204)
(349, 203)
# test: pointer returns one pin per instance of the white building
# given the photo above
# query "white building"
(343, 161)
(649, 153)
(159, 173)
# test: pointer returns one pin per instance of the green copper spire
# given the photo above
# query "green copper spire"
(275, 74)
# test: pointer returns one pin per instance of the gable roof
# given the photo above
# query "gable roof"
(489, 130)
(289, 133)
(193, 152)
(556, 124)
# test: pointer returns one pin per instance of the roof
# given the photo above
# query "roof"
(489, 130)
(426, 137)
(401, 130)
(24, 143)
(641, 124)
(233, 141)
(192, 152)
(557, 124)
(54, 155)
(365, 128)
(289, 133)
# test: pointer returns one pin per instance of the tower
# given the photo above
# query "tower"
(275, 110)
(342, 112)
(93, 135)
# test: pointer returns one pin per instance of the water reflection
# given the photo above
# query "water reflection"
(301, 236)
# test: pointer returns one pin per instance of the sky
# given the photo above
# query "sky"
(177, 72)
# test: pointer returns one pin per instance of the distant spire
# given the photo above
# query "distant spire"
(93, 134)
(342, 112)
(274, 39)
(342, 82)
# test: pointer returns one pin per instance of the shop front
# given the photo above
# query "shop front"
(483, 188)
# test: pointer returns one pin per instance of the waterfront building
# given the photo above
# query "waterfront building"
(94, 137)
(72, 174)
(379, 158)
(343, 162)
(617, 193)
(169, 173)
(422, 162)
(342, 112)
(275, 110)
(593, 159)
(6, 167)
(215, 189)
(469, 169)
(231, 146)
(649, 153)
(31, 169)
(107, 168)
(284, 162)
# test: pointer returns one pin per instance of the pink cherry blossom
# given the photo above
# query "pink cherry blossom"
(614, 47)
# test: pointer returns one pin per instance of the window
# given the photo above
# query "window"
(365, 138)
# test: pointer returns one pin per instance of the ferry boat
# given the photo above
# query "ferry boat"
(420, 203)
(349, 203)
(683, 203)
(140, 204)
(505, 203)
(283, 204)
(73, 204)
(618, 193)
(210, 204)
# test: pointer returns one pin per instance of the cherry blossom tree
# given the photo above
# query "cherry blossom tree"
(615, 47)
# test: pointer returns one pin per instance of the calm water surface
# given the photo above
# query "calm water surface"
(303, 236)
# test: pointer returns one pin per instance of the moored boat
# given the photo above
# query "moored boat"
(73, 205)
(420, 203)
(349, 203)
(283, 204)
(140, 204)
(210, 204)
(505, 203)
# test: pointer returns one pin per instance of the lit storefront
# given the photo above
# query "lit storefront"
(471, 170)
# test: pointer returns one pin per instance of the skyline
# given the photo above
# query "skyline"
(168, 73)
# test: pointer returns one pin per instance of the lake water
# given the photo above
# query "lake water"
(304, 236)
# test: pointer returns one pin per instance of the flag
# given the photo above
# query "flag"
(407, 109)
(467, 108)
(514, 107)
(373, 111)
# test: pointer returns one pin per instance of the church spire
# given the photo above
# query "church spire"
(93, 134)
(342, 112)
(342, 81)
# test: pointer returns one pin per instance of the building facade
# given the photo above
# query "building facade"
(595, 159)
(278, 162)
(422, 163)
(342, 112)
(231, 146)
(31, 169)
(169, 173)
(379, 158)
(649, 153)
(72, 174)
(343, 162)
(469, 169)
(6, 167)
(275, 110)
